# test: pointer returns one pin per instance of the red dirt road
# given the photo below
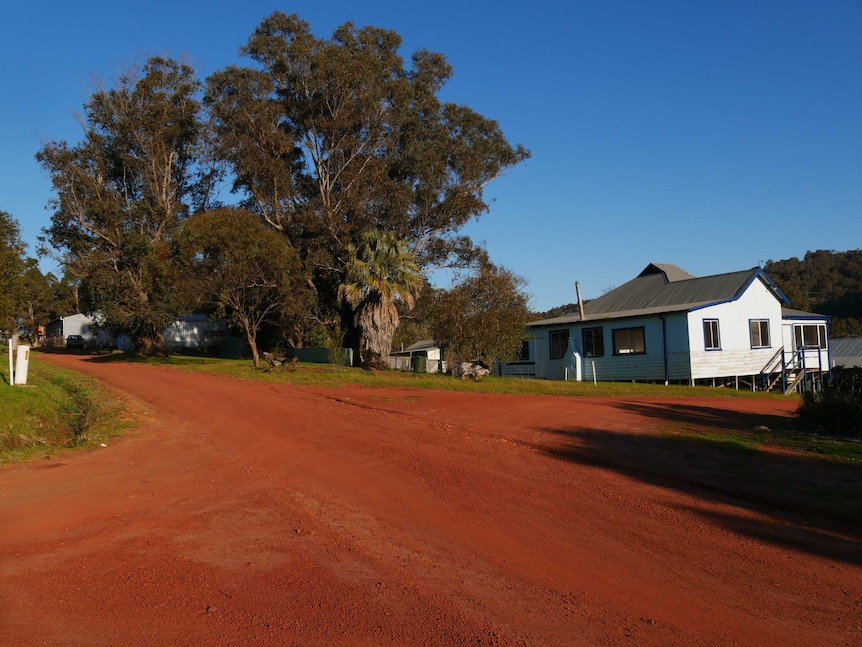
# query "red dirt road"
(248, 514)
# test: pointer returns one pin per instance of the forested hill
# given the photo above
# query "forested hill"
(559, 311)
(825, 282)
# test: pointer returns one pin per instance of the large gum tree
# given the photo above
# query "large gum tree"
(123, 192)
(329, 138)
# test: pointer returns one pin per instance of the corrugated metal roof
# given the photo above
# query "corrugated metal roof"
(423, 344)
(662, 287)
(671, 272)
(790, 313)
(846, 351)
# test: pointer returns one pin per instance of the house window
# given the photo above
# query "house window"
(810, 335)
(629, 341)
(559, 343)
(594, 342)
(711, 340)
(524, 355)
(759, 333)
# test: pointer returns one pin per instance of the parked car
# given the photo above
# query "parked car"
(75, 341)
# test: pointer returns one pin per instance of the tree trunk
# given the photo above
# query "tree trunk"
(254, 354)
(151, 345)
(251, 337)
(378, 321)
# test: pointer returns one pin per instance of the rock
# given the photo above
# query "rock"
(473, 370)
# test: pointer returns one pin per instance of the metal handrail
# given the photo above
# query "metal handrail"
(771, 367)
(784, 362)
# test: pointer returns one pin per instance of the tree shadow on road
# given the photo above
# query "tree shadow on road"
(810, 503)
(716, 418)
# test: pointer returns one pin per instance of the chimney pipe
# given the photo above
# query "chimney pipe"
(580, 301)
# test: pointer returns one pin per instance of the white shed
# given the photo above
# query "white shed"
(422, 353)
(90, 327)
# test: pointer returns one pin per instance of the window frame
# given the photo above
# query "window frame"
(799, 333)
(552, 347)
(590, 348)
(624, 351)
(762, 324)
(711, 335)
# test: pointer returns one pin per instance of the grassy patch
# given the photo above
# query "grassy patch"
(804, 473)
(842, 449)
(58, 409)
(338, 376)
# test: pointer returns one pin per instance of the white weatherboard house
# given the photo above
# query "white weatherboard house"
(666, 325)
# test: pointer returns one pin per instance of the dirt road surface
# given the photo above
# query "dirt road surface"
(240, 513)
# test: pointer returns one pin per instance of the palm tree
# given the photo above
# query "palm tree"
(380, 272)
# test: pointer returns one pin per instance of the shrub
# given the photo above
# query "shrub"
(837, 409)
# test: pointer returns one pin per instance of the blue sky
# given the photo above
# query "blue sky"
(709, 134)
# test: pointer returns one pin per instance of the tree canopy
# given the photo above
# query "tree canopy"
(123, 192)
(249, 270)
(12, 264)
(330, 138)
(483, 317)
(322, 139)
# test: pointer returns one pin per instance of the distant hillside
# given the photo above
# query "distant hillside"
(559, 311)
(825, 282)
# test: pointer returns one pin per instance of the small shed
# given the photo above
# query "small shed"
(425, 356)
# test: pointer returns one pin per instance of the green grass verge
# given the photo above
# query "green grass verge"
(748, 442)
(806, 474)
(57, 410)
(339, 376)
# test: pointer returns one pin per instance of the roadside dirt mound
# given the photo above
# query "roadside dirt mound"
(250, 514)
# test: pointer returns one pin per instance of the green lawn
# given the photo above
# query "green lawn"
(57, 410)
(335, 376)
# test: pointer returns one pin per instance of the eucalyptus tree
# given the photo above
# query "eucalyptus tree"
(244, 267)
(12, 265)
(39, 304)
(381, 272)
(484, 317)
(328, 138)
(123, 192)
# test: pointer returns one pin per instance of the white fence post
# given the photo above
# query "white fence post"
(21, 368)
(11, 364)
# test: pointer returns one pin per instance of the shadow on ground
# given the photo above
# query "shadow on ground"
(809, 503)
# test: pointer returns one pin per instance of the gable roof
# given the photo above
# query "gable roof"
(671, 272)
(662, 287)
